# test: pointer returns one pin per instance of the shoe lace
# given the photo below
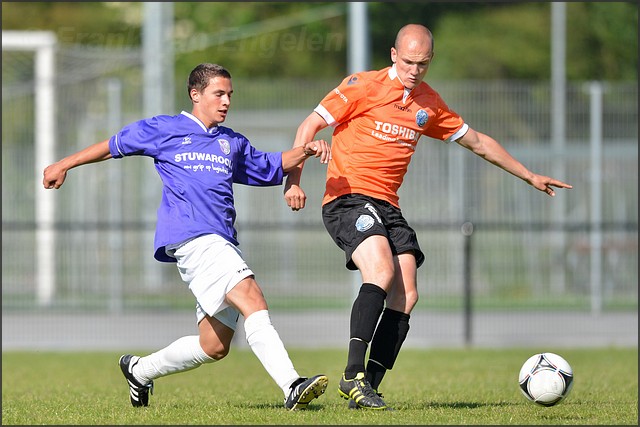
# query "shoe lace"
(366, 389)
(293, 387)
(149, 386)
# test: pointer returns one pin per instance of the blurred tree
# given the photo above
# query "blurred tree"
(263, 40)
(301, 40)
(88, 23)
(512, 40)
(602, 41)
(504, 43)
(387, 18)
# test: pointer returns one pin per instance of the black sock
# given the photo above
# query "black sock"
(386, 344)
(364, 317)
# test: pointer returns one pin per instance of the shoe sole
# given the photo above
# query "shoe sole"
(313, 391)
(354, 406)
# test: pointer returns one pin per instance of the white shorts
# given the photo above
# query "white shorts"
(212, 266)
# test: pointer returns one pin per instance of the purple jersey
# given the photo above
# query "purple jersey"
(198, 167)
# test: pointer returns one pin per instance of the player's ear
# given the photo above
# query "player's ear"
(394, 54)
(195, 95)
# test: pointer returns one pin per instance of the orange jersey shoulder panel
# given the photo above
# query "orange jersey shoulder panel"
(376, 132)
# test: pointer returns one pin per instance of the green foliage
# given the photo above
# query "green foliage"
(490, 47)
(512, 40)
(309, 40)
(602, 41)
(426, 387)
(388, 17)
(92, 23)
(267, 40)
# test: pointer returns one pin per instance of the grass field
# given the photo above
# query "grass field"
(427, 387)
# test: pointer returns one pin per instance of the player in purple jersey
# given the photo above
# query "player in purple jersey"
(199, 161)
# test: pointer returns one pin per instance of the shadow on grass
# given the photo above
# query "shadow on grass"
(451, 405)
(274, 406)
(409, 406)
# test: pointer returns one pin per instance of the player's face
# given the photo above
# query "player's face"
(412, 59)
(212, 104)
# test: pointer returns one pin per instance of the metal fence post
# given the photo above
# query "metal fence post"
(467, 231)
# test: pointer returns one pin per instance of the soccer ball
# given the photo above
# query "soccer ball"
(545, 379)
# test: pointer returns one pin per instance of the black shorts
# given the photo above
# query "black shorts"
(352, 218)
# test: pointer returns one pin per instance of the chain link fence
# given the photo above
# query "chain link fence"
(527, 251)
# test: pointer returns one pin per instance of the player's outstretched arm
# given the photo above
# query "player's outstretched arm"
(491, 150)
(293, 194)
(297, 155)
(56, 173)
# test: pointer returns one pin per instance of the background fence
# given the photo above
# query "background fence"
(527, 252)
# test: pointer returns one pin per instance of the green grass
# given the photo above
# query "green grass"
(439, 386)
(184, 301)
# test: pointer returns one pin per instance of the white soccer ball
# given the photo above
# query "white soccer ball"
(546, 379)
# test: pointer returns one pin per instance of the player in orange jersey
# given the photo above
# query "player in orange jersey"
(378, 118)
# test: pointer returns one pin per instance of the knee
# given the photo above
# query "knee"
(247, 297)
(382, 275)
(216, 351)
(412, 299)
(402, 301)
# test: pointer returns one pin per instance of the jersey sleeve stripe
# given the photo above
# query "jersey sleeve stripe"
(459, 134)
(326, 116)
(116, 143)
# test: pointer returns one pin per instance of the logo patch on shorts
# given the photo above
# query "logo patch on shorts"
(364, 222)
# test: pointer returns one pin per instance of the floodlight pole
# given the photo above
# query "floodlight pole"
(357, 60)
(595, 187)
(558, 133)
(467, 232)
(358, 50)
(158, 94)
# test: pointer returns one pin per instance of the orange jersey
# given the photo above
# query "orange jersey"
(376, 130)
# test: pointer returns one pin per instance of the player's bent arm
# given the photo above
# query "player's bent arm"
(491, 150)
(55, 174)
(297, 155)
(306, 132)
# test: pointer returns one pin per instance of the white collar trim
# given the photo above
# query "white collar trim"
(199, 122)
(393, 74)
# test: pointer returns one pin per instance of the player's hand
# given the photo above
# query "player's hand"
(295, 197)
(54, 176)
(545, 184)
(319, 148)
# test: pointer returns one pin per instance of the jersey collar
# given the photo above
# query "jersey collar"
(393, 74)
(199, 122)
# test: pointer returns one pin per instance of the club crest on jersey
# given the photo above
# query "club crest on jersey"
(225, 146)
(364, 222)
(421, 118)
(352, 80)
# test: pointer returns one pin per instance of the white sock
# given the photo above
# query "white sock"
(268, 347)
(181, 355)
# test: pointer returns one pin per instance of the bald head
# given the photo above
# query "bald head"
(412, 34)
